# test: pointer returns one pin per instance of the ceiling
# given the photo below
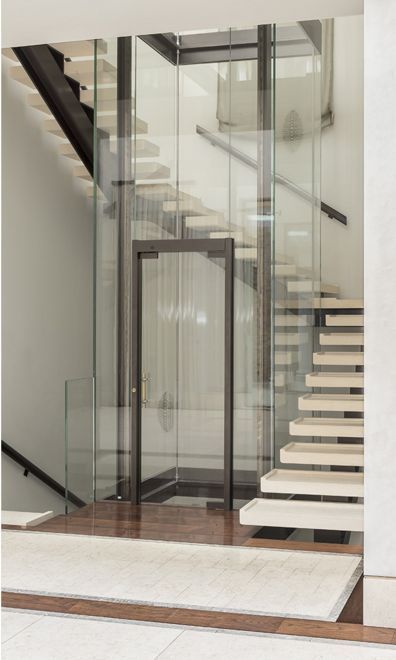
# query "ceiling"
(48, 21)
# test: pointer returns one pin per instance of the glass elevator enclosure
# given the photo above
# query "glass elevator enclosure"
(206, 193)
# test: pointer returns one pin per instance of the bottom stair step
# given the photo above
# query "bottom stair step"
(313, 482)
(25, 519)
(303, 514)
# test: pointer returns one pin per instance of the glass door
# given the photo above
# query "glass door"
(182, 372)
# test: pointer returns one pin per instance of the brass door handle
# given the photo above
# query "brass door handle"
(145, 379)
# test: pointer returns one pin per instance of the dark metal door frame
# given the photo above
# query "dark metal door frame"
(214, 247)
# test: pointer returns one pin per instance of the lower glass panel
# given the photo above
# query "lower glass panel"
(182, 417)
(79, 443)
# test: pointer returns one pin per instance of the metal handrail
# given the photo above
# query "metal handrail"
(40, 474)
(278, 178)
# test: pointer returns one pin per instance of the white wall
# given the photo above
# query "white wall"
(48, 21)
(342, 163)
(380, 314)
(47, 293)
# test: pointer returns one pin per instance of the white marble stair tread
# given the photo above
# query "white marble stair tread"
(206, 222)
(19, 74)
(9, 53)
(302, 514)
(313, 482)
(81, 48)
(144, 170)
(289, 339)
(335, 379)
(351, 358)
(344, 320)
(329, 427)
(178, 574)
(106, 97)
(341, 303)
(290, 320)
(240, 237)
(187, 206)
(84, 71)
(286, 358)
(320, 453)
(308, 286)
(246, 253)
(25, 518)
(332, 402)
(341, 339)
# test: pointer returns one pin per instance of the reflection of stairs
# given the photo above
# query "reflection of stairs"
(331, 463)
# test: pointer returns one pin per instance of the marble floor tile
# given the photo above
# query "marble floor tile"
(256, 580)
(66, 638)
(52, 637)
(13, 623)
(204, 645)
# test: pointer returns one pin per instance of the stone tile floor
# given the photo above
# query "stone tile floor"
(55, 637)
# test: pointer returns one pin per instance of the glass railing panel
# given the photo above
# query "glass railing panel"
(79, 443)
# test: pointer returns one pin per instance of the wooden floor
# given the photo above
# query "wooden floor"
(207, 619)
(170, 523)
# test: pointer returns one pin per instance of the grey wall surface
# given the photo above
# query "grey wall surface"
(47, 295)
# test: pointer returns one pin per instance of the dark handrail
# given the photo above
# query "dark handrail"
(251, 162)
(40, 474)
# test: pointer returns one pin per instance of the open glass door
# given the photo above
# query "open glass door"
(182, 372)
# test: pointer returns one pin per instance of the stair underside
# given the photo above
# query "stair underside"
(313, 482)
(303, 514)
(332, 402)
(355, 358)
(329, 427)
(341, 339)
(334, 379)
(320, 453)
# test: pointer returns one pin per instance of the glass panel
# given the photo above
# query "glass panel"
(135, 199)
(79, 442)
(159, 386)
(203, 169)
(155, 211)
(297, 220)
(240, 90)
(183, 371)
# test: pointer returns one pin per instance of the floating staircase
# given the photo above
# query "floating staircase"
(329, 466)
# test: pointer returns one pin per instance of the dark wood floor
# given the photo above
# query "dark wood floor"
(170, 523)
(208, 619)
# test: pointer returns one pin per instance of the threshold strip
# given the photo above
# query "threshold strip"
(200, 618)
